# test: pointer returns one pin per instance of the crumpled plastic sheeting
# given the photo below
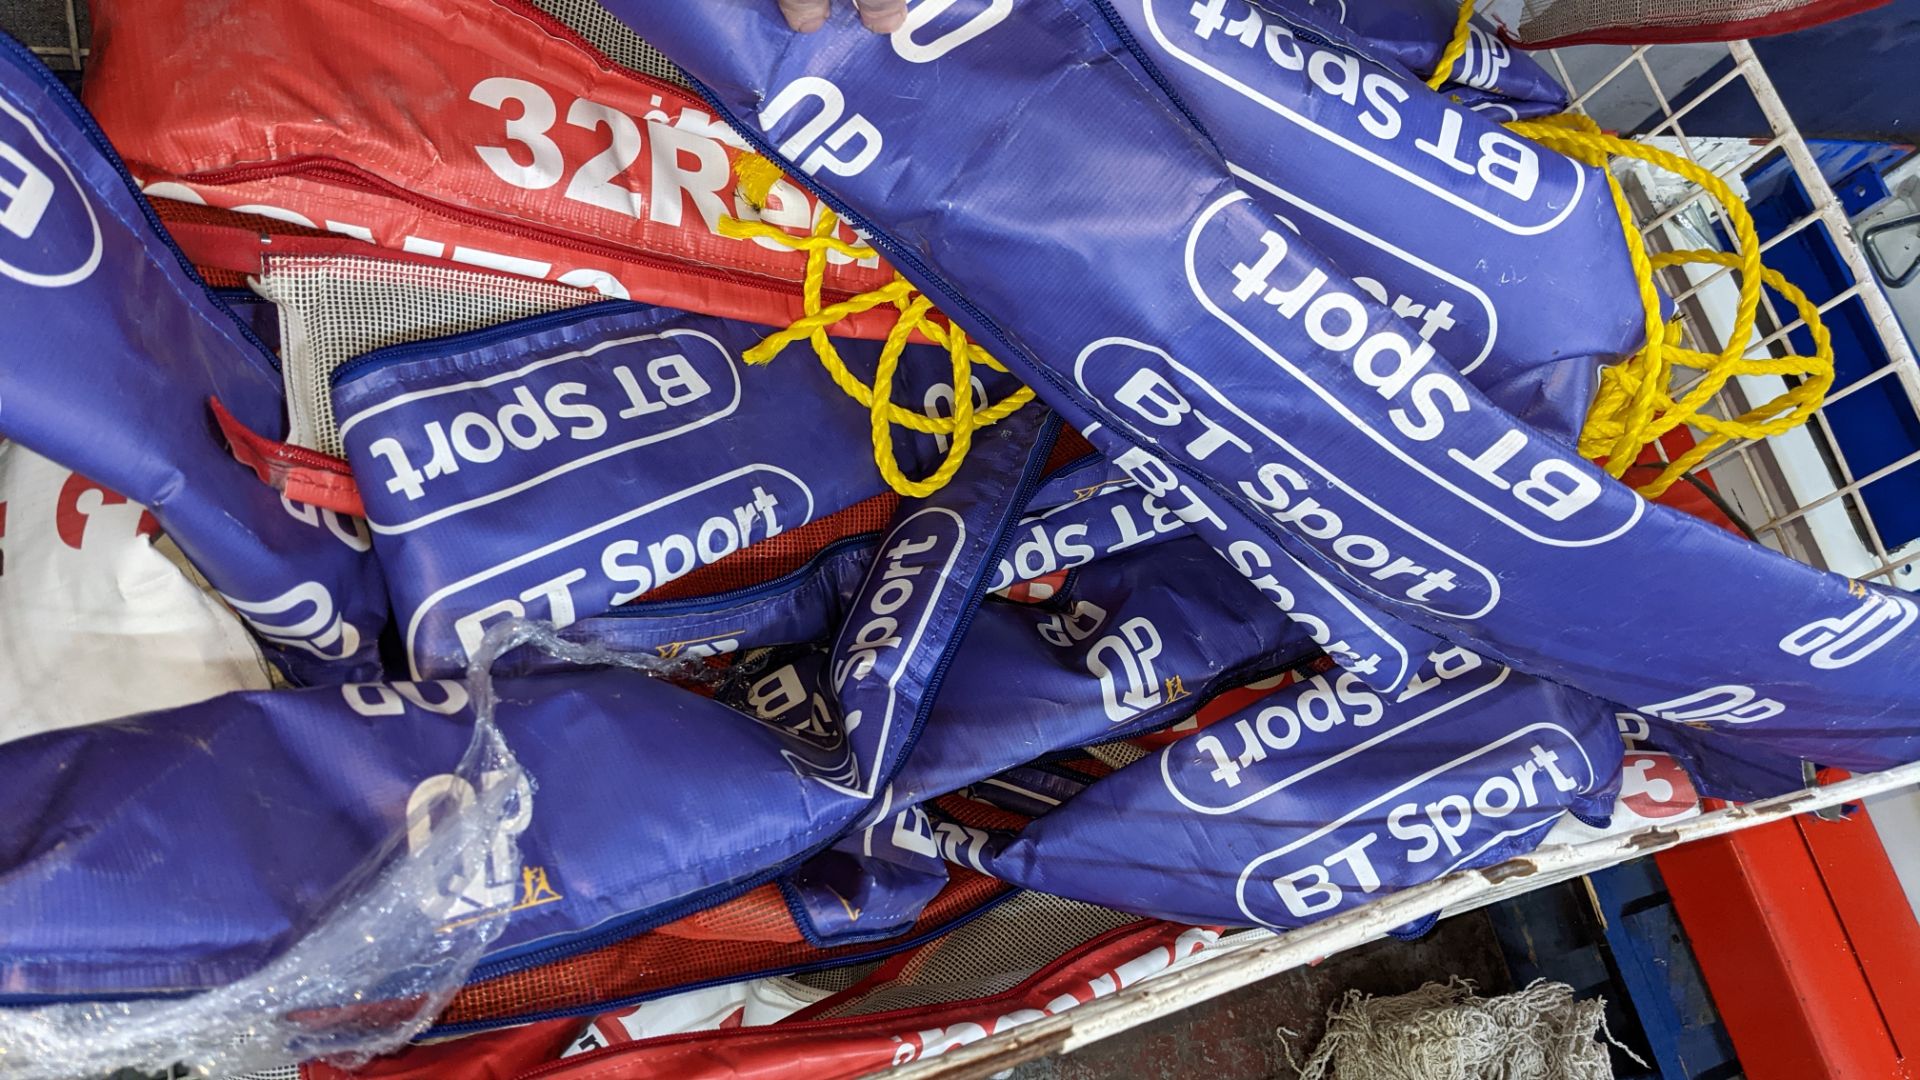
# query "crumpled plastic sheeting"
(374, 972)
(84, 589)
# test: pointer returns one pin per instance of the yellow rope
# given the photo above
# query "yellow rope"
(1632, 410)
(757, 176)
(1798, 404)
(1634, 406)
(1456, 48)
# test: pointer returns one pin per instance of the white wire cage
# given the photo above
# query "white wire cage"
(1797, 492)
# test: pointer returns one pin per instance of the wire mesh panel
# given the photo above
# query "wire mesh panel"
(1823, 493)
(56, 31)
(1802, 492)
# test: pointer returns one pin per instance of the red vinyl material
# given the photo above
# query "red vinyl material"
(483, 132)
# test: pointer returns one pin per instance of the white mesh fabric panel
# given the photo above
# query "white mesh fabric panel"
(612, 37)
(1552, 20)
(336, 307)
(989, 955)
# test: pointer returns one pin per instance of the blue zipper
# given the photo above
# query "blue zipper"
(84, 120)
(697, 605)
(1132, 45)
(642, 921)
(1084, 461)
(1077, 465)
(469, 1027)
(92, 997)
(366, 363)
(1592, 821)
(637, 922)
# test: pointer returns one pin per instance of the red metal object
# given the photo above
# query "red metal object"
(1876, 913)
(1807, 940)
(1809, 946)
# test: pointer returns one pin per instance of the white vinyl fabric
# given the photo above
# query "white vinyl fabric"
(95, 622)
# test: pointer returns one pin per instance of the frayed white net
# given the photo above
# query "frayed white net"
(1445, 1032)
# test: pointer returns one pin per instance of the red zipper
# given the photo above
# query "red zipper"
(342, 174)
(346, 175)
(1073, 956)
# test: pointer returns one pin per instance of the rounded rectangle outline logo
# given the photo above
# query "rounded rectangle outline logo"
(43, 279)
(1347, 414)
(1173, 788)
(1466, 287)
(1379, 161)
(1240, 885)
(420, 613)
(1491, 581)
(452, 509)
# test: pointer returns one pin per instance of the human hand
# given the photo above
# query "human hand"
(880, 16)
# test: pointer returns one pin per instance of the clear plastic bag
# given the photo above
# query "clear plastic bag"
(378, 967)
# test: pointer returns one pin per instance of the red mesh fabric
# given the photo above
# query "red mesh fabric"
(760, 915)
(1091, 768)
(1071, 446)
(1548, 24)
(781, 554)
(672, 956)
(979, 815)
(222, 278)
(174, 212)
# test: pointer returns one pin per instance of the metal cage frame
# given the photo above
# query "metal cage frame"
(1751, 476)
(70, 53)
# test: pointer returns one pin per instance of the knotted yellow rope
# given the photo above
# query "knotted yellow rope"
(1632, 410)
(1456, 48)
(757, 176)
(1634, 407)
